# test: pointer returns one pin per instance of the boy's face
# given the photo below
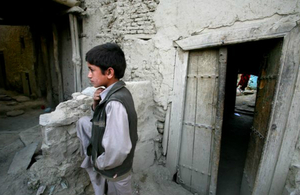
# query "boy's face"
(96, 77)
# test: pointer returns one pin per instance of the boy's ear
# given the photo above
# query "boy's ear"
(110, 73)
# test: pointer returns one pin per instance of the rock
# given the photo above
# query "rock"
(60, 145)
(247, 92)
(22, 159)
(31, 135)
(160, 125)
(21, 98)
(295, 192)
(158, 151)
(160, 114)
(12, 103)
(89, 91)
(33, 184)
(41, 190)
(15, 113)
(67, 112)
(5, 98)
(52, 188)
(160, 130)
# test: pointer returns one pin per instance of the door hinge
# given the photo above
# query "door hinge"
(257, 133)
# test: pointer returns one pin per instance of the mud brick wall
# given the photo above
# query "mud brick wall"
(127, 17)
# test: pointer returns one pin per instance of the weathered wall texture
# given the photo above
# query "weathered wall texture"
(17, 46)
(146, 30)
(61, 159)
(131, 24)
(65, 56)
(293, 180)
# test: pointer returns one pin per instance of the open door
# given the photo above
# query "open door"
(268, 76)
(268, 174)
(202, 121)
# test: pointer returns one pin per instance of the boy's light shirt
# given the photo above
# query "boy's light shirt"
(116, 139)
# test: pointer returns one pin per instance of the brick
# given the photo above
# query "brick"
(140, 23)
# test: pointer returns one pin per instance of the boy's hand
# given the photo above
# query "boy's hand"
(97, 97)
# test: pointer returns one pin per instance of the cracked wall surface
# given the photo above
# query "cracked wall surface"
(146, 31)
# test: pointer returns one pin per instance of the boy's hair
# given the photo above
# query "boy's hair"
(108, 55)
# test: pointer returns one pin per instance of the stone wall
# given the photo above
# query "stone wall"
(61, 160)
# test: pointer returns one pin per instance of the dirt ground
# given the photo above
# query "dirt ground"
(13, 140)
(234, 145)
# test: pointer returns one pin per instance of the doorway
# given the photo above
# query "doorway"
(246, 113)
(2, 72)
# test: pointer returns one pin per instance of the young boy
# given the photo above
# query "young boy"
(108, 140)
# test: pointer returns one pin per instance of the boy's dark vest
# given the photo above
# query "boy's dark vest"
(121, 94)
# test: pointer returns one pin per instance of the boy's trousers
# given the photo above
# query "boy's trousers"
(122, 187)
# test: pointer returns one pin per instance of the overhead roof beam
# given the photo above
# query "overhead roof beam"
(69, 3)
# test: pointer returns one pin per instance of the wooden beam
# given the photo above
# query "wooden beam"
(215, 156)
(56, 64)
(227, 36)
(166, 131)
(69, 3)
(177, 109)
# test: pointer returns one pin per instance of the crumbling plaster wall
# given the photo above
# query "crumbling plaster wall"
(17, 46)
(146, 30)
(131, 24)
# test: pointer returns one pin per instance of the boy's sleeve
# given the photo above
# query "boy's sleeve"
(116, 139)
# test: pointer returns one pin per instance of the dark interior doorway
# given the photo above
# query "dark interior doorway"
(2, 72)
(245, 58)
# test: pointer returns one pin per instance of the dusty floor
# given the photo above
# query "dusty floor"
(13, 138)
(234, 144)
